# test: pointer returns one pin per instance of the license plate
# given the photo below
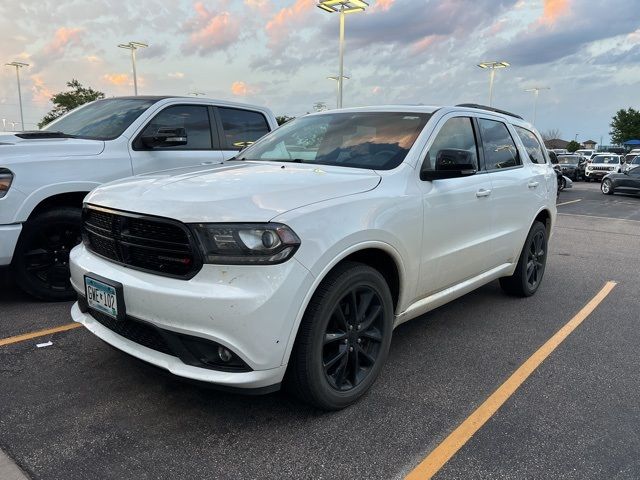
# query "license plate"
(104, 296)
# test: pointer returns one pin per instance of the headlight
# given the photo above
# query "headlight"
(6, 177)
(246, 244)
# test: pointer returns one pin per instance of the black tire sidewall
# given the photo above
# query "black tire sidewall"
(33, 225)
(325, 395)
(536, 227)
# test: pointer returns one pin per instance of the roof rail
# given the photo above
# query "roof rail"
(490, 109)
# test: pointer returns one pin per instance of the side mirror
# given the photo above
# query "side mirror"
(450, 163)
(166, 137)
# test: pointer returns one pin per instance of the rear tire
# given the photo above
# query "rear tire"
(531, 265)
(41, 259)
(343, 340)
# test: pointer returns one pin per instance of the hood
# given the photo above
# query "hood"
(233, 192)
(12, 145)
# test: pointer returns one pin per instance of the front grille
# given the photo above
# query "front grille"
(151, 244)
(602, 169)
(137, 332)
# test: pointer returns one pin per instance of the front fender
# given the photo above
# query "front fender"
(41, 194)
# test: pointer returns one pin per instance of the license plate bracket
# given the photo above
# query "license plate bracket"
(104, 296)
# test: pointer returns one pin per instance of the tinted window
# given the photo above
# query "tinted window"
(193, 118)
(497, 145)
(241, 127)
(376, 140)
(102, 119)
(531, 143)
(454, 141)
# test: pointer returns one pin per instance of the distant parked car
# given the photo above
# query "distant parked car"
(634, 163)
(586, 152)
(602, 165)
(628, 182)
(572, 166)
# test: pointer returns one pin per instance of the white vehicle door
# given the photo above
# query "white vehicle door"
(202, 142)
(457, 230)
(239, 128)
(518, 189)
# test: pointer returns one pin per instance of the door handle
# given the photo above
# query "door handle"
(533, 184)
(483, 192)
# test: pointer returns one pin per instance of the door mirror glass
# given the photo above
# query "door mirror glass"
(166, 137)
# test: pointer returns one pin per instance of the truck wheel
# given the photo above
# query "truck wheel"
(531, 265)
(41, 259)
(344, 338)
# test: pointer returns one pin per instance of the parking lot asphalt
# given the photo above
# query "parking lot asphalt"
(80, 409)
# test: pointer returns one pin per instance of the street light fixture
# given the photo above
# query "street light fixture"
(197, 94)
(336, 78)
(342, 7)
(18, 66)
(536, 92)
(133, 46)
(492, 66)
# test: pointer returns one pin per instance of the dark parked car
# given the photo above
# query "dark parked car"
(627, 182)
(572, 166)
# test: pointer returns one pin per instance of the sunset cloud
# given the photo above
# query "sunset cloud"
(209, 31)
(117, 79)
(175, 75)
(553, 9)
(382, 5)
(40, 92)
(62, 38)
(242, 89)
(279, 26)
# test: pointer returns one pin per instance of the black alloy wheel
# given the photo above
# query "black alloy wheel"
(344, 338)
(353, 338)
(41, 260)
(527, 277)
(536, 256)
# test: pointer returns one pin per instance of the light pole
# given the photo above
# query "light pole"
(536, 92)
(342, 7)
(133, 46)
(18, 66)
(337, 79)
(492, 66)
(197, 94)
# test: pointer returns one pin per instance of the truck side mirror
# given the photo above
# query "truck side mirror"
(166, 137)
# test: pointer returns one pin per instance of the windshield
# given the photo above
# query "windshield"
(605, 159)
(568, 160)
(636, 161)
(102, 119)
(374, 140)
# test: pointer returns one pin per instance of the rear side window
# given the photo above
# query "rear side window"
(454, 139)
(531, 143)
(498, 147)
(240, 128)
(193, 118)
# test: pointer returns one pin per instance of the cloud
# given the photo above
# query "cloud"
(117, 78)
(554, 9)
(63, 38)
(40, 93)
(382, 5)
(155, 50)
(547, 40)
(287, 19)
(209, 31)
(175, 75)
(242, 89)
(93, 59)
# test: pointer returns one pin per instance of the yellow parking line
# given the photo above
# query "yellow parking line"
(461, 435)
(39, 333)
(567, 203)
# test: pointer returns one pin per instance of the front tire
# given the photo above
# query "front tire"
(607, 187)
(41, 259)
(531, 265)
(563, 184)
(344, 338)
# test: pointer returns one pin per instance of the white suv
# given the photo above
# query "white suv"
(44, 175)
(301, 255)
(603, 164)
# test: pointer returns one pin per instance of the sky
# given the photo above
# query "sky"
(279, 53)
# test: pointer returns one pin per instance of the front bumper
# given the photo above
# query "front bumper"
(598, 174)
(250, 310)
(9, 235)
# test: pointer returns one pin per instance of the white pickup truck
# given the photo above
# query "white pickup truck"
(45, 174)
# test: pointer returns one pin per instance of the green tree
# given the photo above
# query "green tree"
(282, 119)
(625, 126)
(572, 146)
(70, 99)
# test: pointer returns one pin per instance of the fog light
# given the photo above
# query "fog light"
(224, 354)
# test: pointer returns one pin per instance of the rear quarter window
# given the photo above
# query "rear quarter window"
(531, 143)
